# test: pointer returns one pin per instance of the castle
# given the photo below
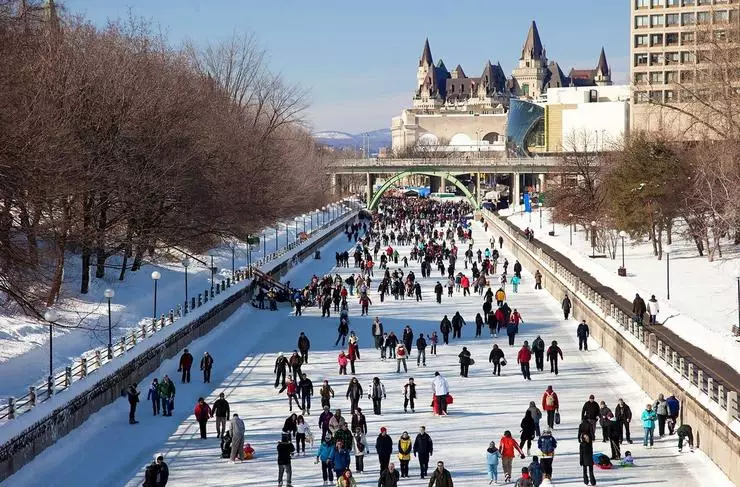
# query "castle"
(470, 113)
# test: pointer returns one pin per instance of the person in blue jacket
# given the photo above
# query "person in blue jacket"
(340, 459)
(326, 450)
(153, 395)
(492, 459)
(673, 410)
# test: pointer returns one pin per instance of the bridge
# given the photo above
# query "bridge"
(518, 170)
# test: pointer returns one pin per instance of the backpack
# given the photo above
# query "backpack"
(360, 446)
(550, 400)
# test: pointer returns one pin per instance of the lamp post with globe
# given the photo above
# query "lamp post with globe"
(51, 316)
(155, 277)
(109, 293)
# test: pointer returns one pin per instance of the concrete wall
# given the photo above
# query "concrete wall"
(711, 433)
(23, 448)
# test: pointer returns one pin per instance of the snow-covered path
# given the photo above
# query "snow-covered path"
(107, 451)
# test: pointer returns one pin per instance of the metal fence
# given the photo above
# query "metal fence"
(652, 346)
(92, 360)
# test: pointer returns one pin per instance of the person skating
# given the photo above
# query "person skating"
(685, 433)
(441, 390)
(359, 421)
(384, 448)
(408, 338)
(623, 415)
(438, 290)
(553, 352)
(674, 408)
(342, 331)
(457, 323)
(417, 291)
(523, 358)
(433, 340)
(517, 269)
(441, 477)
(390, 344)
(354, 393)
(326, 450)
(500, 296)
(132, 393)
(365, 303)
(550, 405)
(525, 480)
(409, 395)
(167, 395)
(653, 308)
(511, 330)
(528, 431)
(340, 458)
(335, 422)
(326, 392)
(605, 417)
(404, 453)
(346, 480)
(648, 425)
(359, 448)
(401, 352)
(445, 327)
(206, 364)
(295, 363)
(186, 362)
(660, 407)
(153, 395)
(421, 351)
(423, 449)
(281, 367)
(583, 333)
(291, 390)
(305, 391)
(465, 361)
(507, 446)
(353, 353)
(537, 279)
(479, 324)
(496, 357)
(538, 349)
(547, 445)
(389, 477)
(565, 305)
(304, 345)
(377, 330)
(536, 416)
(343, 434)
(493, 457)
(586, 458)
(376, 393)
(157, 473)
(236, 430)
(342, 361)
(590, 412)
(501, 242)
(285, 451)
(202, 412)
(222, 412)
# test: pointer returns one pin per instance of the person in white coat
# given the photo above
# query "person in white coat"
(236, 428)
(441, 391)
(653, 309)
(359, 448)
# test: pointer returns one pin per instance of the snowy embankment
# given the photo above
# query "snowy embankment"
(704, 300)
(483, 408)
(24, 345)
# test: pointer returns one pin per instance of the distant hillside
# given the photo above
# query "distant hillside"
(343, 140)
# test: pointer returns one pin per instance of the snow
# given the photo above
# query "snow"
(24, 352)
(333, 135)
(484, 405)
(704, 300)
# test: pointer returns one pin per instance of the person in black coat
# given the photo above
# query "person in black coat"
(518, 269)
(417, 291)
(478, 325)
(290, 426)
(445, 326)
(359, 421)
(281, 367)
(304, 345)
(384, 448)
(421, 348)
(623, 415)
(438, 289)
(583, 332)
(157, 473)
(614, 431)
(457, 324)
(423, 449)
(495, 357)
(132, 394)
(465, 360)
(528, 431)
(389, 477)
(305, 390)
(222, 411)
(586, 457)
(206, 364)
(591, 411)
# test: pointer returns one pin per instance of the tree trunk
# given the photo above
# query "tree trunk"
(100, 244)
(669, 232)
(138, 258)
(126, 254)
(60, 247)
(652, 238)
(86, 250)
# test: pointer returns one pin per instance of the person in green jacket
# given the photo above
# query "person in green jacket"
(648, 425)
(167, 395)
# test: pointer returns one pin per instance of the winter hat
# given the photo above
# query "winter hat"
(591, 396)
(383, 430)
(549, 388)
(157, 456)
(525, 470)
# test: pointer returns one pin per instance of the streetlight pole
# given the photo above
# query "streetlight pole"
(277, 236)
(109, 293)
(155, 277)
(264, 244)
(233, 258)
(51, 316)
(737, 276)
(570, 227)
(623, 234)
(667, 250)
(186, 263)
(593, 239)
(212, 273)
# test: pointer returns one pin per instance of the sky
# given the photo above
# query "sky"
(358, 60)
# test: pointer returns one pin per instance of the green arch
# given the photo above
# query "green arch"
(444, 175)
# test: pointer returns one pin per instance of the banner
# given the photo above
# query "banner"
(527, 203)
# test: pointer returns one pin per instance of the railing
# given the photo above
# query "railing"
(94, 359)
(622, 319)
(448, 161)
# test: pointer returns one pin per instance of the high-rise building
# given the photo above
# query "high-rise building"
(667, 41)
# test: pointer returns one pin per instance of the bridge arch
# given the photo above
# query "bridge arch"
(444, 175)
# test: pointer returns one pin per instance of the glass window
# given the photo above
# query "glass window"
(656, 40)
(687, 38)
(671, 58)
(641, 59)
(656, 20)
(641, 97)
(671, 39)
(670, 96)
(688, 18)
(705, 2)
(657, 3)
(656, 59)
(672, 19)
(671, 77)
(641, 40)
(673, 3)
(688, 57)
(641, 21)
(656, 78)
(703, 18)
(689, 2)
(721, 16)
(656, 96)
(642, 3)
(640, 78)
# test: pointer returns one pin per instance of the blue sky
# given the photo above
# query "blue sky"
(358, 60)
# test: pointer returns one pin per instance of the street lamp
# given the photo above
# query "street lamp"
(623, 235)
(303, 217)
(570, 227)
(297, 219)
(109, 293)
(277, 236)
(737, 277)
(213, 272)
(51, 316)
(318, 213)
(667, 250)
(593, 239)
(264, 244)
(323, 213)
(155, 277)
(186, 263)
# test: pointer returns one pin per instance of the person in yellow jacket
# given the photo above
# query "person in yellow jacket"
(500, 296)
(404, 453)
(346, 480)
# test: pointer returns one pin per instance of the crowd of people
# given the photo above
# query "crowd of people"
(439, 236)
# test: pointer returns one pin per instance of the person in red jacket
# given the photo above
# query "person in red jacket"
(202, 413)
(186, 361)
(550, 404)
(523, 358)
(364, 303)
(465, 283)
(353, 353)
(292, 390)
(507, 446)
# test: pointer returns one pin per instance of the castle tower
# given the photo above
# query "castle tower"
(603, 76)
(426, 65)
(530, 76)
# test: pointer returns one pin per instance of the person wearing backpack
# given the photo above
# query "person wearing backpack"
(359, 447)
(547, 445)
(550, 405)
(157, 473)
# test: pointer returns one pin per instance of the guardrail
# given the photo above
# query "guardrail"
(711, 386)
(448, 161)
(94, 359)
